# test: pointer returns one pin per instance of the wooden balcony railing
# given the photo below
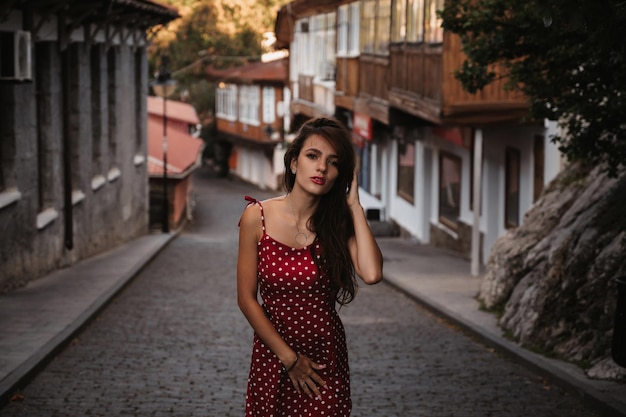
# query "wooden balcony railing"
(305, 88)
(418, 71)
(374, 77)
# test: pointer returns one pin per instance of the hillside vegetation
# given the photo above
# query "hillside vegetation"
(219, 33)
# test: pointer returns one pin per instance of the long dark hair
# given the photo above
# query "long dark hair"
(332, 220)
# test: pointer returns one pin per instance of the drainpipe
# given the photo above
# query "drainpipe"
(68, 213)
(478, 158)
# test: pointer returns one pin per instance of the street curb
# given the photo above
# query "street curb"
(24, 373)
(605, 404)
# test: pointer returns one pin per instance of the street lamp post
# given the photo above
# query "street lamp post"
(164, 87)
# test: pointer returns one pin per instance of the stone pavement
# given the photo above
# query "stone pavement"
(40, 319)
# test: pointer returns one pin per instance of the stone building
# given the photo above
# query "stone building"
(73, 87)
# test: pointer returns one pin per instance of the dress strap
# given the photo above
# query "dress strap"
(252, 200)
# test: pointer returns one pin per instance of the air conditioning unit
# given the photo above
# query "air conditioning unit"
(15, 56)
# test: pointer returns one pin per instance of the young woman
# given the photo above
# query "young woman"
(301, 251)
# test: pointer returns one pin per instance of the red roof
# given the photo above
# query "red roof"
(183, 150)
(272, 71)
(176, 110)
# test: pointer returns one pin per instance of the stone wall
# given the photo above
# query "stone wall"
(554, 276)
(83, 115)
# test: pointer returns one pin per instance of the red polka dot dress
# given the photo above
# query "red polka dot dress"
(298, 301)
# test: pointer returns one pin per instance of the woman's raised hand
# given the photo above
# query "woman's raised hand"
(353, 194)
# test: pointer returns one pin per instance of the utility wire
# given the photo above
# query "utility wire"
(205, 56)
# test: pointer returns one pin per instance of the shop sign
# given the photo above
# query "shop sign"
(458, 136)
(362, 126)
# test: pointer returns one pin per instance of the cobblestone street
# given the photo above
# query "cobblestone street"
(175, 344)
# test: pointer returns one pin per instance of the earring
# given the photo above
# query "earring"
(293, 171)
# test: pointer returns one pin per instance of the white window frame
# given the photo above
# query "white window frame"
(226, 102)
(269, 105)
(249, 97)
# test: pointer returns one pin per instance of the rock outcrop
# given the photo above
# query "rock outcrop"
(553, 277)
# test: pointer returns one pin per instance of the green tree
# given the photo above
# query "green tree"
(218, 33)
(197, 42)
(567, 56)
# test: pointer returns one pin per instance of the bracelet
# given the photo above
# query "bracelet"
(287, 370)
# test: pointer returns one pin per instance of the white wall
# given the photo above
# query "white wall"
(496, 140)
(254, 167)
(418, 217)
(553, 157)
(407, 215)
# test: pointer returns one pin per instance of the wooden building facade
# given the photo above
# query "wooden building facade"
(418, 134)
(251, 115)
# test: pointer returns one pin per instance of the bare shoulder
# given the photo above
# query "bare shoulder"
(251, 216)
(273, 203)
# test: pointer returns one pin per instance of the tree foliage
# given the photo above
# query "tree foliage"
(567, 56)
(219, 33)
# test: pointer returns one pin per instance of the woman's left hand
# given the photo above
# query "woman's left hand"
(353, 194)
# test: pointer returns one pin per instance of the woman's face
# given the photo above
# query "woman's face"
(316, 166)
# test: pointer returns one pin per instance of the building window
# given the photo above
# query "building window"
(433, 32)
(301, 62)
(415, 21)
(249, 104)
(354, 29)
(329, 59)
(383, 27)
(323, 30)
(406, 171)
(348, 30)
(398, 21)
(226, 102)
(376, 26)
(318, 34)
(449, 189)
(512, 186)
(342, 30)
(269, 105)
(368, 26)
